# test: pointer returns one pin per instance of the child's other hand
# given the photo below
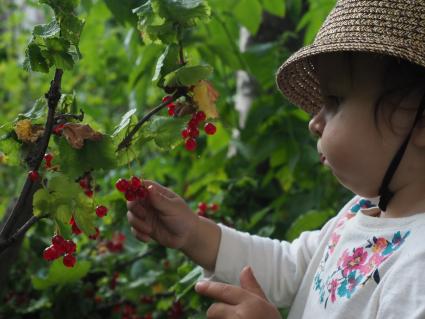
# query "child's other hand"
(247, 301)
(163, 216)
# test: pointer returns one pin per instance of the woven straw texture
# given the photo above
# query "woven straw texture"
(390, 27)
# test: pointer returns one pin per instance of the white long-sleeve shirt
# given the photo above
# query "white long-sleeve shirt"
(357, 266)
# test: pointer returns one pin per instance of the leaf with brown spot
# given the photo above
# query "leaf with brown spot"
(76, 134)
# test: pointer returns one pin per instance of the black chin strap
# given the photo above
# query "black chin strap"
(384, 192)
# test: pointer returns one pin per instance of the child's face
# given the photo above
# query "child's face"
(356, 149)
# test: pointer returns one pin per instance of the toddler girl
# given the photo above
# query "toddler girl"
(363, 82)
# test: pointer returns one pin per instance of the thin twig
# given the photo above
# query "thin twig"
(20, 232)
(66, 116)
(126, 142)
(34, 161)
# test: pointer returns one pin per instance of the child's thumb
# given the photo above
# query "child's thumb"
(250, 283)
(159, 200)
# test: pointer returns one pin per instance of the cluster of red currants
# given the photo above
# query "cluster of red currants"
(61, 247)
(205, 210)
(133, 189)
(191, 132)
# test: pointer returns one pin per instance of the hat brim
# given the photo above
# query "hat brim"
(297, 79)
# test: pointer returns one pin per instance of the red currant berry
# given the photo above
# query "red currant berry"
(84, 183)
(193, 123)
(122, 185)
(214, 207)
(130, 195)
(202, 207)
(185, 133)
(167, 98)
(69, 260)
(48, 158)
(95, 235)
(190, 144)
(89, 193)
(58, 240)
(70, 247)
(101, 211)
(57, 129)
(210, 128)
(171, 111)
(135, 183)
(33, 175)
(50, 253)
(200, 116)
(193, 132)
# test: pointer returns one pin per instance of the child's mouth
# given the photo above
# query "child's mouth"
(322, 158)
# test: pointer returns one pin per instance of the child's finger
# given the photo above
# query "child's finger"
(159, 188)
(220, 310)
(226, 293)
(138, 223)
(139, 212)
(140, 235)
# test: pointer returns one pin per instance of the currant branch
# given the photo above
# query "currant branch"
(34, 161)
(21, 231)
(126, 142)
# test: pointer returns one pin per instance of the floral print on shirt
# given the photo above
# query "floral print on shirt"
(356, 266)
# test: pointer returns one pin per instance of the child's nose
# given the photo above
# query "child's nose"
(317, 124)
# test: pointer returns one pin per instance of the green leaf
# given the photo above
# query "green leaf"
(122, 10)
(84, 214)
(163, 131)
(59, 274)
(38, 111)
(187, 282)
(49, 30)
(63, 60)
(276, 7)
(309, 221)
(188, 75)
(184, 12)
(35, 61)
(126, 120)
(93, 155)
(249, 14)
(71, 28)
(167, 62)
(41, 202)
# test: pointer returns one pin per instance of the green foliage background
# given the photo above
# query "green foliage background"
(273, 186)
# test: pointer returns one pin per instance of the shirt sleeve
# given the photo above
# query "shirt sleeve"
(279, 266)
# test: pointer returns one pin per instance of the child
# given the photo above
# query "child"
(363, 82)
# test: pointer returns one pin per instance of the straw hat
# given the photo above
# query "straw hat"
(390, 27)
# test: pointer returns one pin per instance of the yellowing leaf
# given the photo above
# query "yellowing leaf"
(75, 134)
(205, 96)
(27, 132)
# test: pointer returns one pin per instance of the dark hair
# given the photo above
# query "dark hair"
(400, 78)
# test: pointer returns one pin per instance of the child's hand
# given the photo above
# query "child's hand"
(163, 216)
(247, 301)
